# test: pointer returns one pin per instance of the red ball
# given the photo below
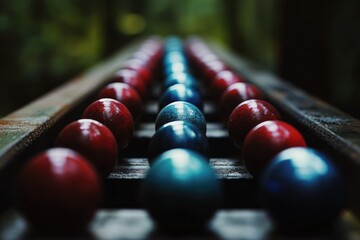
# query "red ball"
(152, 47)
(58, 190)
(145, 57)
(223, 80)
(94, 141)
(246, 116)
(205, 57)
(266, 140)
(132, 78)
(139, 66)
(212, 68)
(155, 54)
(235, 94)
(208, 57)
(199, 51)
(125, 94)
(115, 116)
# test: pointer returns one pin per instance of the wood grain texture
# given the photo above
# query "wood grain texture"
(217, 135)
(137, 224)
(124, 183)
(136, 168)
(34, 127)
(25, 126)
(323, 126)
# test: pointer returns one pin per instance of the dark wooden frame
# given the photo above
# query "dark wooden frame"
(323, 125)
(32, 128)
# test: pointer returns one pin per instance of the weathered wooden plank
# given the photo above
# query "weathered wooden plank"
(35, 126)
(217, 135)
(324, 126)
(136, 168)
(329, 124)
(123, 184)
(25, 126)
(152, 111)
(137, 224)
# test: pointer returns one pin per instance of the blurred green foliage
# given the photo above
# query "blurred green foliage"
(44, 43)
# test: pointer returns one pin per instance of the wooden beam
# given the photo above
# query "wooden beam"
(34, 126)
(323, 126)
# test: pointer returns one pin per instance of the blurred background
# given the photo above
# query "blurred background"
(312, 44)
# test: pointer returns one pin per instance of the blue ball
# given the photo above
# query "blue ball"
(174, 57)
(178, 134)
(176, 67)
(173, 42)
(181, 189)
(181, 92)
(302, 189)
(181, 111)
(181, 78)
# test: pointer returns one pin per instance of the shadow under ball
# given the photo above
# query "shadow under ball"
(181, 111)
(181, 92)
(178, 134)
(181, 190)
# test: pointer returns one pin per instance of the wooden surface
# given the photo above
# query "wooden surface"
(33, 127)
(225, 159)
(23, 127)
(324, 126)
(122, 186)
(137, 224)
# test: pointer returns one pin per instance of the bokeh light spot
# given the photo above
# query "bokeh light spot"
(131, 24)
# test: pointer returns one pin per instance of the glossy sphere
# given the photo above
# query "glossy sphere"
(132, 78)
(174, 56)
(209, 57)
(138, 66)
(115, 116)
(246, 116)
(178, 134)
(267, 139)
(236, 94)
(146, 57)
(301, 188)
(223, 80)
(176, 67)
(172, 42)
(200, 53)
(58, 190)
(181, 189)
(181, 92)
(182, 78)
(154, 50)
(93, 140)
(181, 111)
(212, 68)
(125, 94)
(142, 56)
